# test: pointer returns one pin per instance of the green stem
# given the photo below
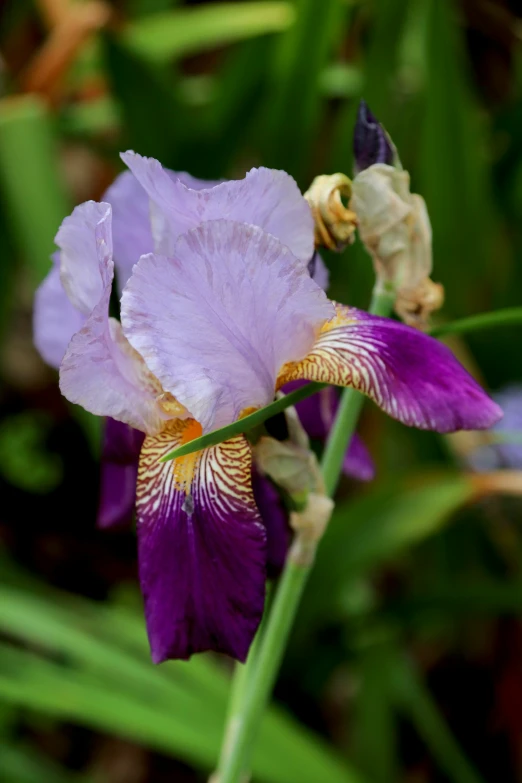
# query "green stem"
(240, 682)
(293, 579)
(510, 316)
(348, 411)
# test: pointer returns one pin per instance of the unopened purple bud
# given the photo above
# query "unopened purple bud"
(371, 143)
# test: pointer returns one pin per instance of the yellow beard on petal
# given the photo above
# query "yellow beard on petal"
(183, 467)
(248, 411)
(318, 363)
(170, 405)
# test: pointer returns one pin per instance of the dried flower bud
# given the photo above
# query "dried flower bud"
(415, 305)
(292, 467)
(313, 519)
(309, 526)
(334, 222)
(371, 143)
(395, 228)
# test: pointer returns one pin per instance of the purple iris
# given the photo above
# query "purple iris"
(214, 321)
(507, 452)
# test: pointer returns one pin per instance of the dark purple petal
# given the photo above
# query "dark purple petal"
(121, 444)
(411, 376)
(215, 322)
(317, 414)
(371, 143)
(119, 471)
(275, 519)
(357, 461)
(117, 494)
(202, 547)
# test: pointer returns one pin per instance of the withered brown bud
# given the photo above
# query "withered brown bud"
(334, 222)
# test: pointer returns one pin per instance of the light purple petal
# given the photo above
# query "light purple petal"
(217, 321)
(55, 320)
(100, 371)
(411, 376)
(319, 271)
(193, 182)
(275, 519)
(491, 456)
(131, 228)
(85, 243)
(267, 198)
(119, 472)
(201, 548)
(510, 400)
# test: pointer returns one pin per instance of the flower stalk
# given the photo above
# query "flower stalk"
(262, 669)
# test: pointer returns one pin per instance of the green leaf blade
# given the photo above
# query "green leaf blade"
(167, 36)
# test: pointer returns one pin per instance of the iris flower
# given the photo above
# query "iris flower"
(219, 317)
(502, 447)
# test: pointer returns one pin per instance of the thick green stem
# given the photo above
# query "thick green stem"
(293, 579)
(264, 672)
(240, 683)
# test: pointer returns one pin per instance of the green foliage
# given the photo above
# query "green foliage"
(91, 664)
(34, 195)
(22, 444)
(175, 34)
(374, 529)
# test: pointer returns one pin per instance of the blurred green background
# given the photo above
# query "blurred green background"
(406, 660)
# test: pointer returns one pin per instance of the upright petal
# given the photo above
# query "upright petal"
(85, 242)
(194, 182)
(267, 198)
(201, 547)
(131, 227)
(100, 371)
(119, 472)
(411, 376)
(55, 319)
(216, 321)
(319, 271)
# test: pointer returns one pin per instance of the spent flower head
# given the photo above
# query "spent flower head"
(393, 223)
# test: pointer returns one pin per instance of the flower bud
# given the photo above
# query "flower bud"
(371, 143)
(393, 222)
(309, 526)
(291, 467)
